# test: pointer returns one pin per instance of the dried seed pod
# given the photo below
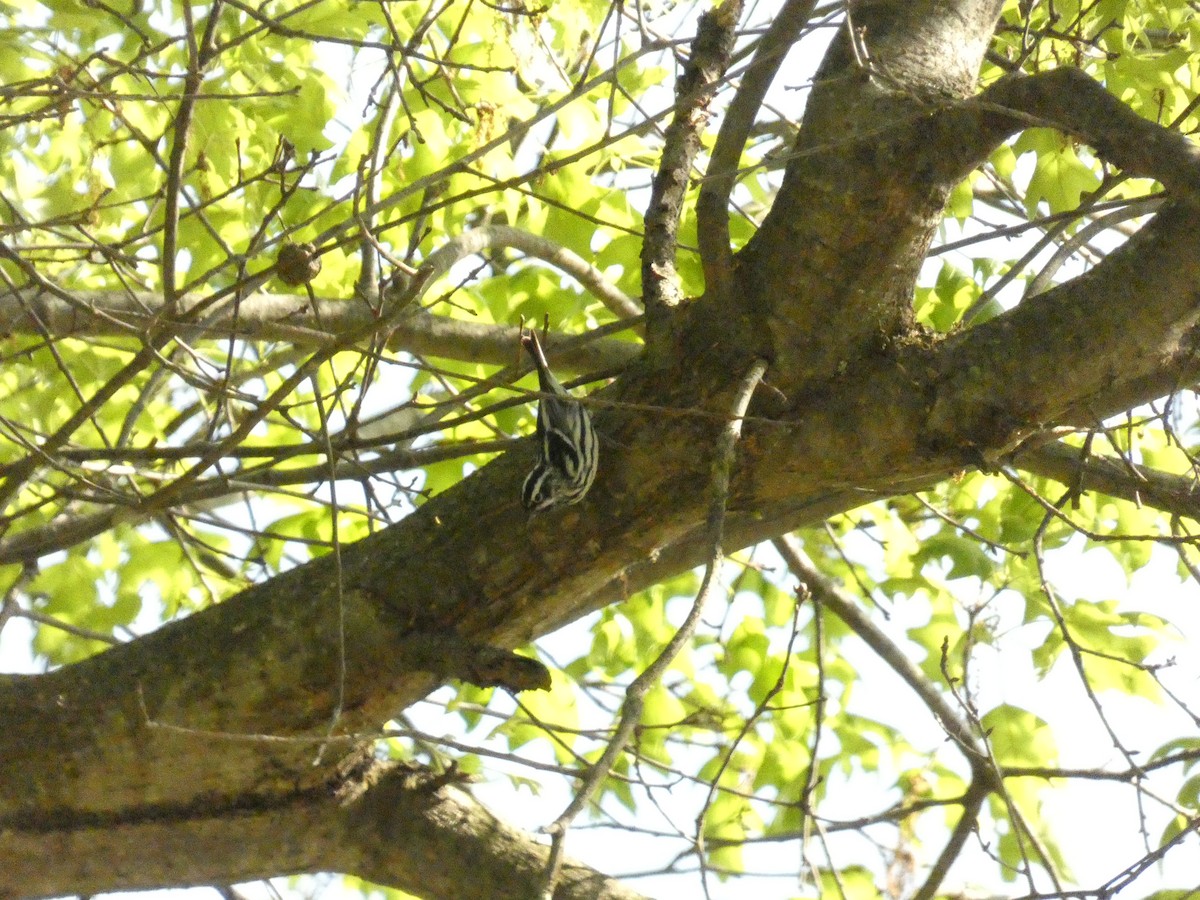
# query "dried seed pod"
(297, 263)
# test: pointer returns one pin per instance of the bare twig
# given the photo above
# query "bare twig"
(1127, 876)
(842, 605)
(1091, 535)
(200, 53)
(52, 622)
(1072, 245)
(972, 803)
(492, 236)
(1076, 650)
(760, 708)
(984, 779)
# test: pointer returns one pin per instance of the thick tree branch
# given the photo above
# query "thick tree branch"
(402, 828)
(1089, 348)
(712, 206)
(1068, 100)
(292, 317)
(865, 188)
(709, 59)
(469, 561)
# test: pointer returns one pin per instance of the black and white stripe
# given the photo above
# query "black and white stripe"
(569, 453)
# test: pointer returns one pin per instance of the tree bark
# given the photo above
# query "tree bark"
(403, 827)
(147, 747)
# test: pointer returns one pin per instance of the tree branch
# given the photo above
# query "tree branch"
(398, 826)
(1073, 467)
(864, 190)
(200, 53)
(303, 321)
(1088, 348)
(968, 819)
(618, 302)
(292, 317)
(712, 206)
(842, 605)
(710, 58)
(1067, 99)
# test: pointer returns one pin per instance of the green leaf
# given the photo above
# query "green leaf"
(661, 707)
(1019, 738)
(1170, 748)
(965, 555)
(1059, 176)
(961, 203)
(746, 649)
(942, 306)
(853, 883)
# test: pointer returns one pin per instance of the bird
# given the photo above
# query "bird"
(568, 452)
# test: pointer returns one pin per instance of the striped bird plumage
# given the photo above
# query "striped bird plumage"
(568, 452)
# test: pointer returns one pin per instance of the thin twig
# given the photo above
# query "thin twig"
(984, 778)
(759, 709)
(842, 605)
(492, 236)
(199, 54)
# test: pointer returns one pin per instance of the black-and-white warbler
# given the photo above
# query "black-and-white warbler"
(568, 452)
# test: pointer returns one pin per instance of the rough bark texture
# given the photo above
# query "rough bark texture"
(464, 851)
(100, 791)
